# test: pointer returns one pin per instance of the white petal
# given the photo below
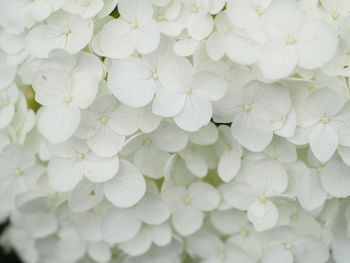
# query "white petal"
(151, 161)
(239, 195)
(85, 196)
(241, 49)
(277, 254)
(116, 40)
(196, 113)
(340, 249)
(161, 234)
(323, 142)
(264, 216)
(316, 45)
(152, 210)
(51, 86)
(100, 252)
(200, 26)
(135, 9)
(335, 179)
(84, 89)
(210, 85)
(188, 220)
(277, 60)
(64, 174)
(99, 170)
(252, 132)
(311, 194)
(169, 138)
(80, 35)
(147, 37)
(204, 244)
(58, 123)
(127, 187)
(106, 143)
(267, 176)
(130, 80)
(205, 202)
(42, 39)
(168, 102)
(216, 45)
(229, 165)
(138, 245)
(119, 225)
(308, 249)
(207, 135)
(41, 225)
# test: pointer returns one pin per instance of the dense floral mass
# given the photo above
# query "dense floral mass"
(170, 131)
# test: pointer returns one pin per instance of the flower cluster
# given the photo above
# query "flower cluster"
(146, 131)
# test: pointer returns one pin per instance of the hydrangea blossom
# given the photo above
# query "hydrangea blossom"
(168, 131)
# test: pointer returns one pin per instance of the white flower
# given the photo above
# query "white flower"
(309, 44)
(324, 123)
(102, 126)
(124, 225)
(262, 181)
(247, 14)
(189, 92)
(252, 111)
(230, 154)
(63, 94)
(167, 18)
(123, 189)
(198, 155)
(188, 205)
(211, 249)
(199, 22)
(150, 150)
(135, 30)
(62, 30)
(134, 80)
(287, 246)
(7, 72)
(19, 173)
(241, 234)
(335, 177)
(73, 160)
(84, 8)
(8, 98)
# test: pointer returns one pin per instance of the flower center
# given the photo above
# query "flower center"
(104, 119)
(18, 171)
(68, 99)
(80, 156)
(320, 168)
(87, 3)
(223, 256)
(244, 233)
(67, 30)
(335, 15)
(155, 76)
(263, 198)
(325, 119)
(294, 217)
(186, 200)
(288, 245)
(188, 90)
(147, 141)
(134, 25)
(160, 18)
(290, 41)
(247, 107)
(195, 9)
(260, 10)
